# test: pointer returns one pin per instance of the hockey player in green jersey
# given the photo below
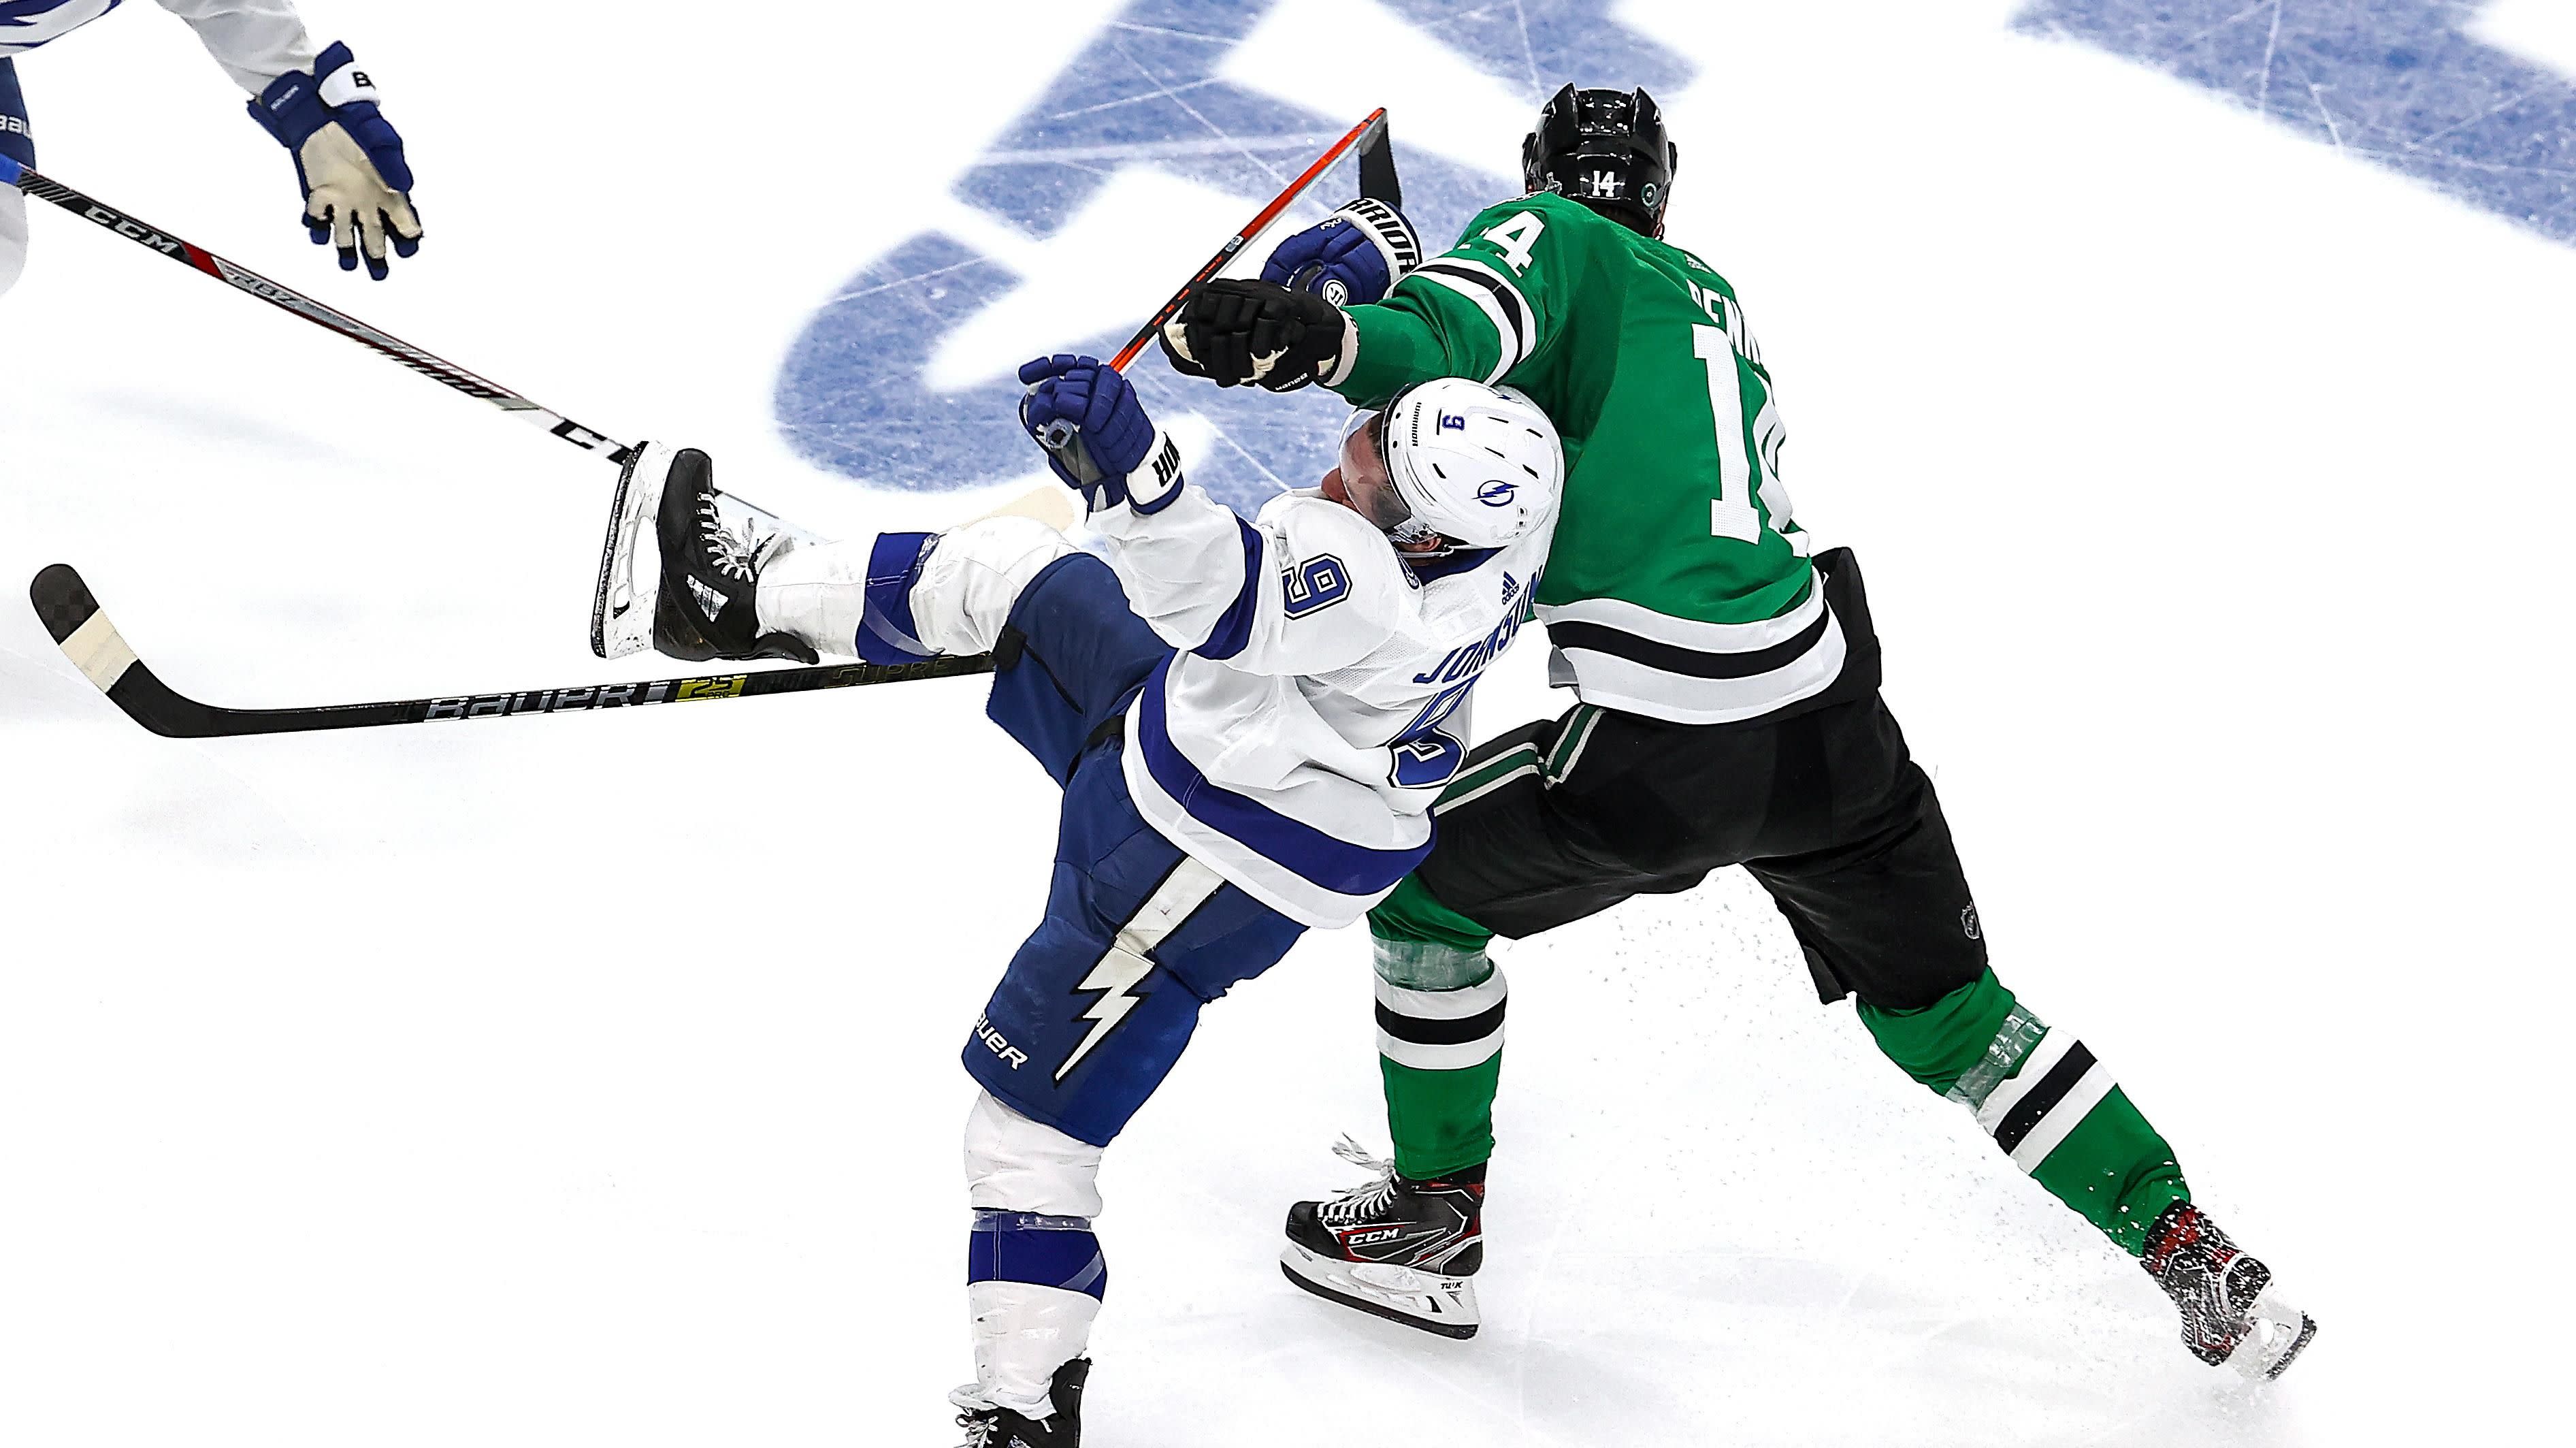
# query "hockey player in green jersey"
(1728, 714)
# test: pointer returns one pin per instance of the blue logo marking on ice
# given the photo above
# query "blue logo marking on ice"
(1152, 92)
(2406, 84)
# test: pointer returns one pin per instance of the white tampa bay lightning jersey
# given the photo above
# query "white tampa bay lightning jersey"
(255, 41)
(1318, 700)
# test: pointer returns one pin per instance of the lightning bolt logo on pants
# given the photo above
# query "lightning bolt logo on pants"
(1117, 974)
(1126, 962)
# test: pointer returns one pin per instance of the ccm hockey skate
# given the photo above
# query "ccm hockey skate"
(2229, 1313)
(681, 566)
(988, 1426)
(1404, 1250)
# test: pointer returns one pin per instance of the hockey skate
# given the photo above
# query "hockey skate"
(2229, 1313)
(1403, 1250)
(680, 569)
(989, 1426)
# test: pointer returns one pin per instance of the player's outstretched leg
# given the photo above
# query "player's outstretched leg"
(2059, 1114)
(698, 576)
(1408, 1246)
(686, 565)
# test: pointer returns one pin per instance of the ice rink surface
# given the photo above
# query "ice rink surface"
(592, 1080)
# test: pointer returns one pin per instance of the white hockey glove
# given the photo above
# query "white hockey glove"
(357, 184)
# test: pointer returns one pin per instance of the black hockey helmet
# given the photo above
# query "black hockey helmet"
(1606, 149)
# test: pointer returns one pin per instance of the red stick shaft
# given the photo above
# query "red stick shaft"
(1253, 228)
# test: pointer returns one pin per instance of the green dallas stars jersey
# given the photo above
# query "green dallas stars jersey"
(1679, 587)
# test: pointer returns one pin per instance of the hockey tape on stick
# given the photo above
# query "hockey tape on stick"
(1368, 133)
(71, 615)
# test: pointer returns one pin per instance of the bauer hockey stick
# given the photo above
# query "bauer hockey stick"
(72, 615)
(286, 298)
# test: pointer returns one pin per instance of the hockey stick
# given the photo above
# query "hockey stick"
(285, 298)
(72, 615)
(1376, 162)
(1378, 181)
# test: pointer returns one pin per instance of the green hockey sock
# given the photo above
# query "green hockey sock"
(1440, 1047)
(2047, 1103)
(1412, 915)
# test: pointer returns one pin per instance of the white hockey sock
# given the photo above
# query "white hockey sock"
(1023, 1333)
(1047, 1181)
(815, 592)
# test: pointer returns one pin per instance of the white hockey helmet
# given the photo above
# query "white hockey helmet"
(1478, 466)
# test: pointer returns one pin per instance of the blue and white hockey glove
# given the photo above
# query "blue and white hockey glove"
(1351, 258)
(1097, 436)
(357, 186)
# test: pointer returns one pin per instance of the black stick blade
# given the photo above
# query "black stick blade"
(1378, 181)
(63, 603)
(70, 613)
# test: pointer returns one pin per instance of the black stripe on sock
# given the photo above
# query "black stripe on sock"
(1692, 663)
(2043, 1098)
(1422, 1031)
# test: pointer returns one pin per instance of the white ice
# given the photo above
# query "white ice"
(593, 1080)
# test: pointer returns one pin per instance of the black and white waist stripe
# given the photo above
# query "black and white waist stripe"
(1625, 656)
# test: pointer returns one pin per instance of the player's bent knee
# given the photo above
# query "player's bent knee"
(1941, 1042)
(971, 582)
(1068, 657)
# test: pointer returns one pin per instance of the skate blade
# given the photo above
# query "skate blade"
(630, 562)
(1424, 1300)
(2279, 1334)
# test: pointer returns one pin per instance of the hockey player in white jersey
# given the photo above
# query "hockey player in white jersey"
(1250, 721)
(316, 102)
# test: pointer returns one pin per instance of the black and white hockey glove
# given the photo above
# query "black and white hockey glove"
(1351, 258)
(1234, 332)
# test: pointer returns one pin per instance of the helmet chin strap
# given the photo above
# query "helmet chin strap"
(1421, 540)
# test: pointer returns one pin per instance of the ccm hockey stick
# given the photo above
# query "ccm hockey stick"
(72, 615)
(285, 298)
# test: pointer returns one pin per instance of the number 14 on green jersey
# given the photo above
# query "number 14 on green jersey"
(1733, 512)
